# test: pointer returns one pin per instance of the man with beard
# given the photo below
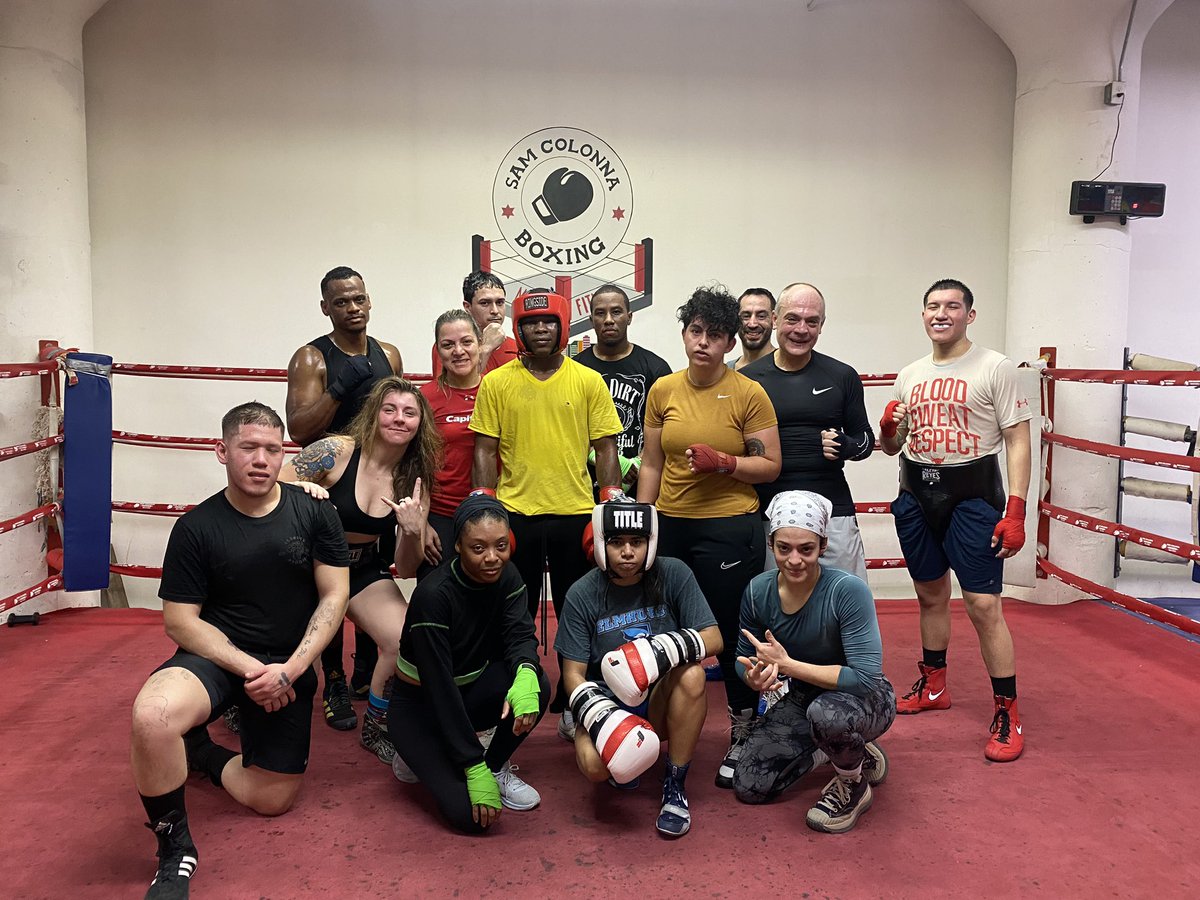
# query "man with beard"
(628, 370)
(756, 323)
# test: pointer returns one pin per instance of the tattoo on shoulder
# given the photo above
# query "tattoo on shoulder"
(755, 447)
(316, 458)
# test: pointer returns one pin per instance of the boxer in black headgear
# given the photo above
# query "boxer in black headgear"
(632, 636)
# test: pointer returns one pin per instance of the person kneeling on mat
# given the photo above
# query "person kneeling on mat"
(817, 627)
(255, 583)
(468, 663)
(642, 625)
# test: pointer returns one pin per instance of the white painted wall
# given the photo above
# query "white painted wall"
(1164, 301)
(238, 150)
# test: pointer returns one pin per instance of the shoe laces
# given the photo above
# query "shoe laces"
(918, 686)
(1001, 724)
(739, 730)
(337, 692)
(673, 793)
(507, 776)
(837, 794)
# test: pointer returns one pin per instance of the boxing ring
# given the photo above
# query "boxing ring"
(355, 830)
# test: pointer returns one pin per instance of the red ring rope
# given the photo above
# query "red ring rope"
(1133, 604)
(53, 583)
(19, 370)
(1182, 549)
(31, 447)
(28, 517)
(1166, 378)
(1129, 454)
(152, 509)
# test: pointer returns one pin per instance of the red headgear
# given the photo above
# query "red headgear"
(526, 306)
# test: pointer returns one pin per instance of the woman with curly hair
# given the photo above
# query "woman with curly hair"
(710, 436)
(379, 475)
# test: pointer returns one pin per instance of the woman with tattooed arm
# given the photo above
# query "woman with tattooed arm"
(379, 476)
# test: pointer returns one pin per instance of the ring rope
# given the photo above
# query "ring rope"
(30, 447)
(218, 373)
(53, 583)
(152, 509)
(29, 517)
(1165, 378)
(1133, 604)
(20, 370)
(1129, 454)
(1182, 549)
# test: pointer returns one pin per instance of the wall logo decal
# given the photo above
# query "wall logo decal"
(562, 199)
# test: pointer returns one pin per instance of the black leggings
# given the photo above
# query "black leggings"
(558, 540)
(414, 732)
(724, 554)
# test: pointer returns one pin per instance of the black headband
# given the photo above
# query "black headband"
(473, 506)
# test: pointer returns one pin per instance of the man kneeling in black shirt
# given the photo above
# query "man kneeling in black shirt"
(255, 582)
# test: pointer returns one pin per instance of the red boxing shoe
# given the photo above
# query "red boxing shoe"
(928, 692)
(1007, 740)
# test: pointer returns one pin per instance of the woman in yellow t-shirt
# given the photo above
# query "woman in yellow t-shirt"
(710, 435)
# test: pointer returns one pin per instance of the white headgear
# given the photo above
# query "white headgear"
(620, 517)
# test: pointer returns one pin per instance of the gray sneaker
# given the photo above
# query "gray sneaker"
(515, 793)
(566, 726)
(402, 772)
(841, 803)
(375, 738)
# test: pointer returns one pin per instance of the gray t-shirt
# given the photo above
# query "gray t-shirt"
(599, 616)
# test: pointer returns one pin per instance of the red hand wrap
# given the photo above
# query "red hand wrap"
(491, 492)
(706, 459)
(610, 492)
(888, 425)
(1010, 531)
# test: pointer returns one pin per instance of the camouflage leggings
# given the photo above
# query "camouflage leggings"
(779, 750)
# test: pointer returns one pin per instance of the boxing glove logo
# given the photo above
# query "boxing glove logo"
(566, 195)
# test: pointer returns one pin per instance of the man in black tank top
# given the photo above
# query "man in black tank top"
(328, 380)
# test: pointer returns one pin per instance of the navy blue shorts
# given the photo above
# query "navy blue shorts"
(276, 742)
(967, 547)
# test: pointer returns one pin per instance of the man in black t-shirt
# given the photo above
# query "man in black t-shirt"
(822, 421)
(255, 582)
(628, 370)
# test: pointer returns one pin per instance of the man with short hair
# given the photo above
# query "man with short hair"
(823, 421)
(328, 380)
(756, 323)
(255, 582)
(628, 370)
(483, 298)
(951, 414)
(538, 415)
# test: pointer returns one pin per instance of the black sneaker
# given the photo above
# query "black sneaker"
(177, 858)
(739, 731)
(674, 819)
(375, 738)
(875, 764)
(841, 803)
(360, 682)
(339, 713)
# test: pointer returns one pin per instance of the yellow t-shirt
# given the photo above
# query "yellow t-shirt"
(720, 415)
(545, 430)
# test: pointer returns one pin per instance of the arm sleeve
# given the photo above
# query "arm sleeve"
(855, 610)
(185, 576)
(431, 642)
(486, 417)
(573, 639)
(855, 423)
(329, 538)
(516, 625)
(749, 620)
(1007, 396)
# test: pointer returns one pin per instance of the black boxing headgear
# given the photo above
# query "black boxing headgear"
(619, 517)
(526, 306)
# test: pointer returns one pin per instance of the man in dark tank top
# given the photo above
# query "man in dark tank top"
(328, 380)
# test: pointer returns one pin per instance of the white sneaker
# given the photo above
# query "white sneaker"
(515, 793)
(402, 772)
(566, 726)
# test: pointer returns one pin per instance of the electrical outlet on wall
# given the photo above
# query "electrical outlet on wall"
(1114, 93)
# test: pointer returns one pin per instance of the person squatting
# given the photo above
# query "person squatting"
(476, 495)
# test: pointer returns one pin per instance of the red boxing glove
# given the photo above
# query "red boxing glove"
(589, 543)
(1010, 531)
(490, 492)
(706, 459)
(512, 541)
(888, 425)
(612, 492)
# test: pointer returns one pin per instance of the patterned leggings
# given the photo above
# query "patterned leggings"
(779, 749)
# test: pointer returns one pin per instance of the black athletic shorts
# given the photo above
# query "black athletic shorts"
(276, 742)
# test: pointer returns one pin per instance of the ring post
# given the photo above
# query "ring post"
(87, 472)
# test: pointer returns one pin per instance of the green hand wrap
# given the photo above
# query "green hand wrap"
(482, 787)
(523, 695)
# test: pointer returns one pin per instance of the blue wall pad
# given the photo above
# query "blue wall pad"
(87, 472)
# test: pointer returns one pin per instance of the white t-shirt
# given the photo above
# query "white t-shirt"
(957, 410)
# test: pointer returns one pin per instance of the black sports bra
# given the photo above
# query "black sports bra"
(354, 520)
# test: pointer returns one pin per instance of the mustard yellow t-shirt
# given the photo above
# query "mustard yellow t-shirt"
(545, 430)
(720, 415)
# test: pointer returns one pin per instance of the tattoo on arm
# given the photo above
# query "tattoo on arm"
(315, 459)
(755, 447)
(284, 680)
